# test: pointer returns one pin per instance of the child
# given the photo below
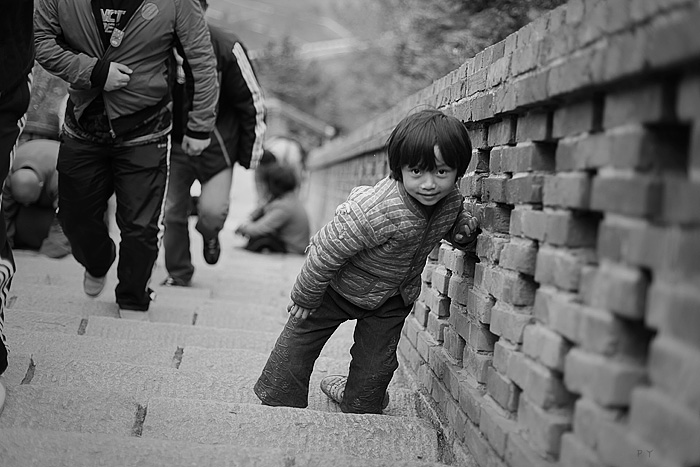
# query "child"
(281, 224)
(366, 265)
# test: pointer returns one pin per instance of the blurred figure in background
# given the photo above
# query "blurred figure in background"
(280, 224)
(17, 52)
(30, 200)
(237, 137)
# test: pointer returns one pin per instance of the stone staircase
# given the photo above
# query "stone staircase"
(86, 388)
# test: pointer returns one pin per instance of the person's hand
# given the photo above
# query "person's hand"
(117, 77)
(194, 147)
(465, 229)
(299, 312)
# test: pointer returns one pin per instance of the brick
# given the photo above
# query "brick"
(679, 36)
(459, 320)
(607, 382)
(480, 337)
(674, 367)
(524, 188)
(545, 346)
(480, 449)
(453, 344)
(579, 71)
(632, 241)
(457, 262)
(527, 157)
(502, 132)
(574, 118)
(471, 185)
(544, 429)
(454, 377)
(688, 97)
(424, 342)
(427, 274)
(534, 126)
(544, 387)
(410, 330)
(548, 302)
(562, 267)
(638, 147)
(633, 195)
(436, 326)
(679, 204)
(509, 286)
(576, 454)
(493, 188)
(620, 447)
(502, 351)
(518, 369)
(532, 89)
(694, 153)
(528, 222)
(489, 246)
(520, 453)
(438, 304)
(570, 190)
(509, 322)
(496, 425)
(455, 417)
(519, 255)
(619, 289)
(477, 364)
(644, 104)
(459, 287)
(502, 390)
(680, 250)
(470, 400)
(674, 309)
(440, 280)
(583, 152)
(496, 218)
(495, 159)
(480, 304)
(420, 312)
(604, 333)
(589, 418)
(626, 55)
(674, 429)
(565, 228)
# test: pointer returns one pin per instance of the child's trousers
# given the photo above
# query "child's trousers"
(285, 378)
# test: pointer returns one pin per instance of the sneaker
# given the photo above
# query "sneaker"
(134, 315)
(334, 387)
(92, 285)
(2, 395)
(212, 250)
(171, 281)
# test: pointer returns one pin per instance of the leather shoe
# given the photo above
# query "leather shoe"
(212, 250)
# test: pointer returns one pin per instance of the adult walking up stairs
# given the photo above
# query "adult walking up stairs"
(86, 388)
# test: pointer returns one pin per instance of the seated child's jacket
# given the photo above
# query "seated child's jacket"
(375, 247)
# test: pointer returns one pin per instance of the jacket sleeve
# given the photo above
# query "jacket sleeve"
(193, 36)
(53, 54)
(270, 222)
(350, 232)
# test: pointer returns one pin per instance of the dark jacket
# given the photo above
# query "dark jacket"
(240, 122)
(69, 45)
(16, 43)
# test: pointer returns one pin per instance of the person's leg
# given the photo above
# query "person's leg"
(285, 379)
(176, 239)
(86, 179)
(374, 357)
(140, 177)
(266, 243)
(13, 105)
(32, 226)
(212, 210)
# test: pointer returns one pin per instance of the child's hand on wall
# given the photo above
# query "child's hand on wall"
(466, 229)
(298, 311)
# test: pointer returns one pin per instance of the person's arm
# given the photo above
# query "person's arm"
(194, 44)
(350, 232)
(10, 209)
(55, 55)
(241, 92)
(271, 221)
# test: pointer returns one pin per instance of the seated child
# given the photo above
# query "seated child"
(366, 264)
(280, 224)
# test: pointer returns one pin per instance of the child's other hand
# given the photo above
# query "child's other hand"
(298, 311)
(465, 229)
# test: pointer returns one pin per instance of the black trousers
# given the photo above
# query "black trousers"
(88, 175)
(13, 105)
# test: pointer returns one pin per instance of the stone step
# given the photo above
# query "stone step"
(337, 347)
(298, 430)
(143, 382)
(26, 447)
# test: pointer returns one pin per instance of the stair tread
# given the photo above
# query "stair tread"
(26, 447)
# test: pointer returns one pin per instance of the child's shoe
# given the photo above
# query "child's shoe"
(334, 387)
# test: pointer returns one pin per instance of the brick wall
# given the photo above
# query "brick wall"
(572, 337)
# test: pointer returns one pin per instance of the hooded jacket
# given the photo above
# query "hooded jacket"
(16, 44)
(375, 247)
(69, 45)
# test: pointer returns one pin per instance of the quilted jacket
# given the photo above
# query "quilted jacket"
(375, 247)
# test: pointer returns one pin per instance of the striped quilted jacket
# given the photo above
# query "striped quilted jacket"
(375, 247)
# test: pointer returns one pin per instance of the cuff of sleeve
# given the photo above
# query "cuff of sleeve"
(197, 134)
(99, 74)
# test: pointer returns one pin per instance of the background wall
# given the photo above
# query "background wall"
(573, 336)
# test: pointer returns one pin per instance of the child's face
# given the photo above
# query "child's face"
(429, 187)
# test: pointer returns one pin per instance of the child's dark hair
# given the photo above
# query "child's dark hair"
(278, 178)
(412, 143)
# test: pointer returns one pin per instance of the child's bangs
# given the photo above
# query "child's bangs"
(418, 149)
